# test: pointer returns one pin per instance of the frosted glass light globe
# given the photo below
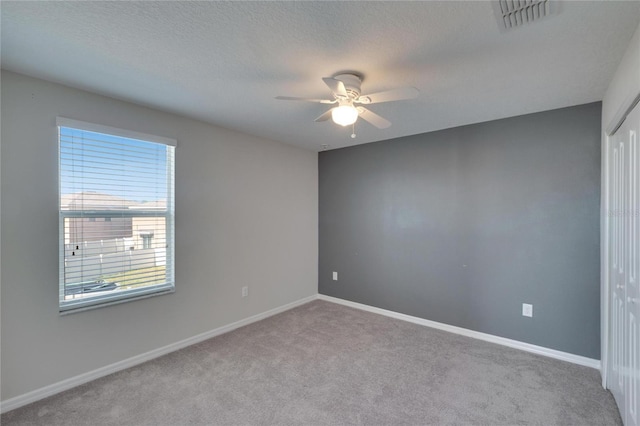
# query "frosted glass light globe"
(344, 115)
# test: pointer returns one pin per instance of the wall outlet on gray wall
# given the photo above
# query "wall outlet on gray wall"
(245, 291)
(335, 276)
(527, 310)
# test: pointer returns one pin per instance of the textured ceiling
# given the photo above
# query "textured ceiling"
(224, 62)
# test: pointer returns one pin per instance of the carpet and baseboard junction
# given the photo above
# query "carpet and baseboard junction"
(326, 361)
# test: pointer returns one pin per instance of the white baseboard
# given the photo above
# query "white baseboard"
(540, 350)
(72, 382)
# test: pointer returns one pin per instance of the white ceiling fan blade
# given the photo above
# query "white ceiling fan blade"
(373, 118)
(325, 116)
(293, 98)
(336, 86)
(389, 96)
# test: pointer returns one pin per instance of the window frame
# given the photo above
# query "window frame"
(82, 304)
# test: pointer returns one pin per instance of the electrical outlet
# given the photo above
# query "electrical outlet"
(527, 310)
(335, 276)
(245, 291)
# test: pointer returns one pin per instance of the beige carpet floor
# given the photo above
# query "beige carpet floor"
(327, 364)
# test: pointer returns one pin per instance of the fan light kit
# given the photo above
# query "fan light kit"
(344, 115)
(346, 92)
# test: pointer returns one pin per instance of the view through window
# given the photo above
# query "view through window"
(116, 215)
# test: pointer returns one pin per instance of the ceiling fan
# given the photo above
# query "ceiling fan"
(347, 95)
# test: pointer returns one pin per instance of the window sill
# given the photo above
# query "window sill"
(102, 304)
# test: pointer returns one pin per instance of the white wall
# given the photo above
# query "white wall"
(625, 83)
(624, 86)
(246, 214)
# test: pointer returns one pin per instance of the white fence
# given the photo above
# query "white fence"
(95, 259)
(95, 248)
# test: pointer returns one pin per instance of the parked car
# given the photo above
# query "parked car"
(90, 287)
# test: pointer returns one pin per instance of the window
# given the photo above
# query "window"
(116, 215)
(146, 239)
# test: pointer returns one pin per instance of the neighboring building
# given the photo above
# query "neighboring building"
(78, 230)
(149, 232)
(143, 232)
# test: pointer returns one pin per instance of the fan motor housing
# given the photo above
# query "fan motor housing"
(351, 84)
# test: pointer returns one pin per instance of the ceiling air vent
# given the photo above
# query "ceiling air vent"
(516, 13)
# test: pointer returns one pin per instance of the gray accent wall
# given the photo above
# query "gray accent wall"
(462, 226)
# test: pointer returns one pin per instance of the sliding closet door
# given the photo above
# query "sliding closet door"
(624, 265)
(631, 284)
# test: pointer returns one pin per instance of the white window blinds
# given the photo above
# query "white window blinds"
(116, 214)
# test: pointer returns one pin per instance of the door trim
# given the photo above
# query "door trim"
(604, 262)
(621, 114)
